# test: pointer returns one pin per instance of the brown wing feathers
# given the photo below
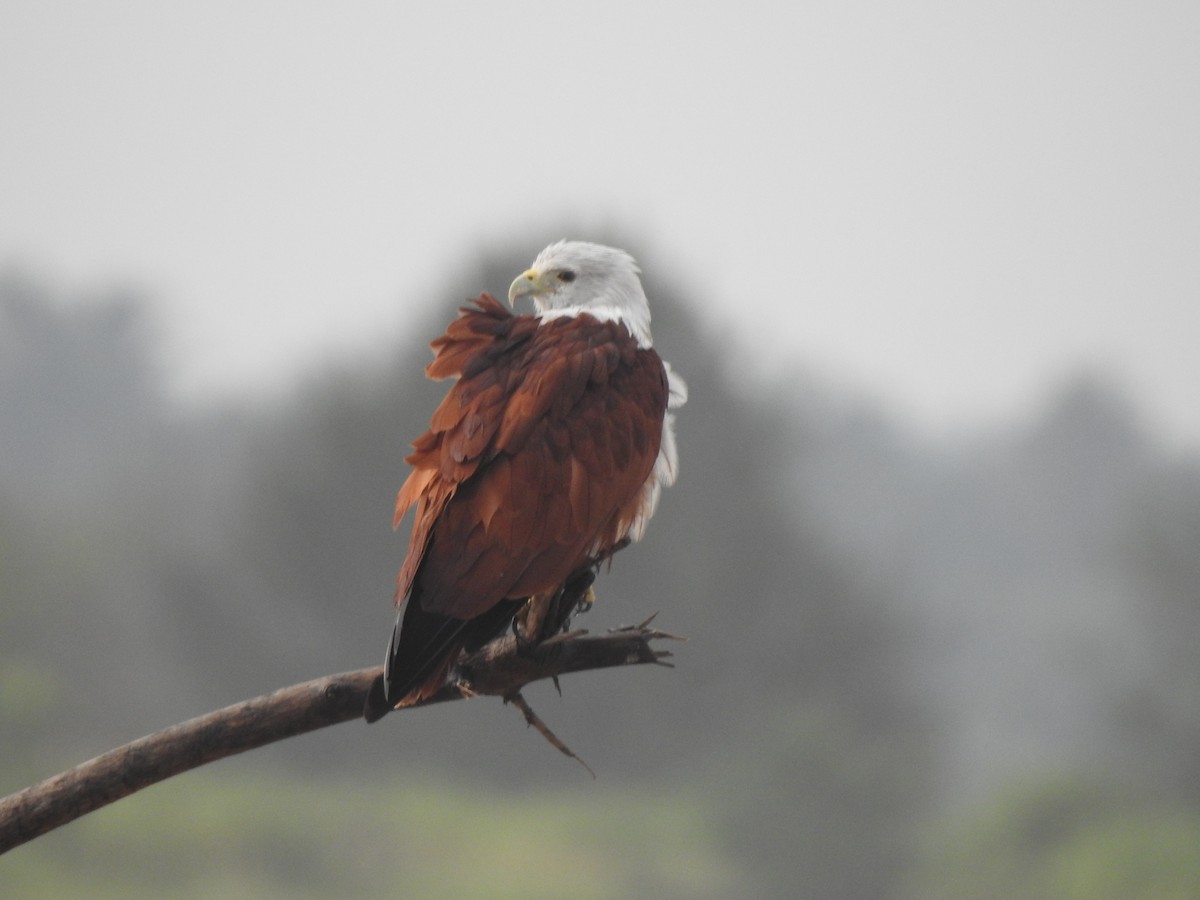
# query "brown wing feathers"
(532, 469)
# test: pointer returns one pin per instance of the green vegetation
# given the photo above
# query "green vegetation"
(1066, 839)
(252, 835)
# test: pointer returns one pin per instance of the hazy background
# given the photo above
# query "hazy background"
(932, 275)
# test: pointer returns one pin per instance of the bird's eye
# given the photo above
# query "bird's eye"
(566, 275)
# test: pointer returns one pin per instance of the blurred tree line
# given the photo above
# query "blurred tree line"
(886, 633)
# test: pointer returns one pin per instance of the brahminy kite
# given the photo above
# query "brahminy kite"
(546, 456)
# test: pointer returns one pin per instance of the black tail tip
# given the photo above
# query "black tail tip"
(377, 705)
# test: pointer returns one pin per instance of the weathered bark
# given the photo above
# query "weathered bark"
(498, 669)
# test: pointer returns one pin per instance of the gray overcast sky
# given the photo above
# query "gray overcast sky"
(947, 204)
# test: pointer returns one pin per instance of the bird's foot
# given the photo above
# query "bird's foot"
(464, 688)
(587, 601)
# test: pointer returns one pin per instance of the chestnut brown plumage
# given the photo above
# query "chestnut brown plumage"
(540, 461)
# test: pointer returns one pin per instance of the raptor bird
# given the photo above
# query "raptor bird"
(546, 456)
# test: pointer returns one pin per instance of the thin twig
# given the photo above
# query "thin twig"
(532, 718)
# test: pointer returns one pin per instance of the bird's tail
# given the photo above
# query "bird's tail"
(424, 648)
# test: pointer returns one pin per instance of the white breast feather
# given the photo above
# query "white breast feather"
(666, 466)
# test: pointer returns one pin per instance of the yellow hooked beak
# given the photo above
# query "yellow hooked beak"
(530, 283)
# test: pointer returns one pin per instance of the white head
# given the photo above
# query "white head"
(573, 277)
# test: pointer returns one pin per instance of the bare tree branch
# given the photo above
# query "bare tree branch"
(498, 669)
